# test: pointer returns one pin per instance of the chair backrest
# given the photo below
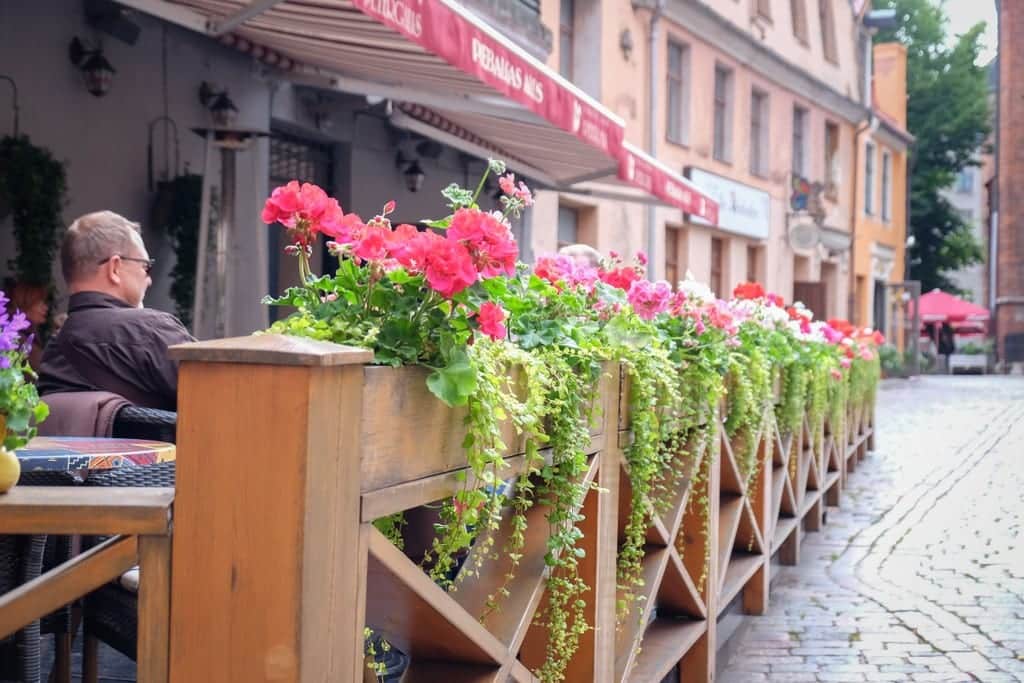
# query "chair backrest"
(136, 422)
(81, 413)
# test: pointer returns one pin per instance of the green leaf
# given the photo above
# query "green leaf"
(455, 382)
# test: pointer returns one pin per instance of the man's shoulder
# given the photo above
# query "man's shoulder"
(136, 323)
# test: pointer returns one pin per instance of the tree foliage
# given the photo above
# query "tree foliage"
(948, 112)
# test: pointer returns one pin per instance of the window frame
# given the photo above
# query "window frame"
(566, 36)
(763, 9)
(801, 117)
(722, 130)
(886, 186)
(827, 22)
(760, 116)
(798, 19)
(716, 278)
(831, 157)
(869, 178)
(681, 81)
(567, 208)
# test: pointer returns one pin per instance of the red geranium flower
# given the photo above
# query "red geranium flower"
(622, 277)
(488, 240)
(448, 267)
(748, 290)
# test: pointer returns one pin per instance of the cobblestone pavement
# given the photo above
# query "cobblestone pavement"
(919, 576)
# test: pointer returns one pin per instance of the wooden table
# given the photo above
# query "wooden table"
(80, 455)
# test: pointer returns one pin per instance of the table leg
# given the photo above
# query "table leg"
(154, 608)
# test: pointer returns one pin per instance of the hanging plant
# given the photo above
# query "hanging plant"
(32, 187)
(177, 213)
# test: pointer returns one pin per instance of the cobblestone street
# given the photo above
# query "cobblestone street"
(920, 575)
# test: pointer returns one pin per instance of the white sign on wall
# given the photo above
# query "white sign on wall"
(742, 209)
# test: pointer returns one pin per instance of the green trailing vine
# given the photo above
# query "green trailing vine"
(177, 213)
(32, 188)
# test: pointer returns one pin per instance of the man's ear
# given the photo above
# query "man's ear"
(113, 269)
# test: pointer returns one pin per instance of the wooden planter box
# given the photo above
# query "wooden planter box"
(288, 449)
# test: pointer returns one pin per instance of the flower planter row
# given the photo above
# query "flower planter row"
(289, 449)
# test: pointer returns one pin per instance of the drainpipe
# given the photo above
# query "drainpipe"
(652, 125)
(870, 125)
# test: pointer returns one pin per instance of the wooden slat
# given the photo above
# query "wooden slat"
(748, 535)
(96, 511)
(783, 529)
(633, 624)
(728, 523)
(741, 568)
(665, 643)
(72, 579)
(433, 670)
(417, 616)
(271, 349)
(732, 480)
(520, 673)
(154, 609)
(677, 593)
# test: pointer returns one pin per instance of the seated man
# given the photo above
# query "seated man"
(109, 342)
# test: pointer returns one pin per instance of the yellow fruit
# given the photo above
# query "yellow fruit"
(10, 469)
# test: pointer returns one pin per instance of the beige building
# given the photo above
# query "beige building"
(745, 98)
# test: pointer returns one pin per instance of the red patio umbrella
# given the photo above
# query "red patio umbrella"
(942, 307)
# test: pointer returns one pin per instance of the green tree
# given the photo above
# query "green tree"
(948, 112)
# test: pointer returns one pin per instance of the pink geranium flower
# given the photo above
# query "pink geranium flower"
(491, 319)
(649, 299)
(449, 268)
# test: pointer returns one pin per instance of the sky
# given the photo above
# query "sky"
(963, 14)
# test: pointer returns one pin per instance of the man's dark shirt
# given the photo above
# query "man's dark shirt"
(109, 345)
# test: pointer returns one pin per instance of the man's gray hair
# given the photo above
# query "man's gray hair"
(94, 237)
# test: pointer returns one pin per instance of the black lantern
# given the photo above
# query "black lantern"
(222, 109)
(97, 72)
(414, 176)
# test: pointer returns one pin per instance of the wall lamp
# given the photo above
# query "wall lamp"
(222, 109)
(97, 72)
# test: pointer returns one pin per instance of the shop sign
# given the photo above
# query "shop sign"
(742, 209)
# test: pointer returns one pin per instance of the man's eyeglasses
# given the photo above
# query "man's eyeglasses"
(147, 263)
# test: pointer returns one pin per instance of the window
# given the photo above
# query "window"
(723, 114)
(567, 14)
(568, 226)
(886, 187)
(828, 31)
(869, 179)
(798, 11)
(763, 9)
(799, 142)
(759, 132)
(672, 256)
(677, 124)
(753, 254)
(716, 267)
(965, 181)
(831, 158)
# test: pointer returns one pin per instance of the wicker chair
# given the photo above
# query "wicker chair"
(23, 558)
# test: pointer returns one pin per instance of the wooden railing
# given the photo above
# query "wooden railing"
(139, 522)
(288, 449)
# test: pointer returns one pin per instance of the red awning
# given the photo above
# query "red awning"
(941, 307)
(431, 52)
(644, 171)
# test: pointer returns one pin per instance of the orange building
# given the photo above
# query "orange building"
(880, 229)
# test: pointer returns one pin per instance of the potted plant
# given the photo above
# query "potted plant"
(20, 407)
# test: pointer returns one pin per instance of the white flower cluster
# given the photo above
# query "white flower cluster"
(697, 292)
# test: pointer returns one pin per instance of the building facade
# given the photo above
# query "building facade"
(881, 210)
(759, 104)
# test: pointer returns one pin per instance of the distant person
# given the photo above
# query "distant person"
(947, 343)
(32, 300)
(582, 254)
(109, 342)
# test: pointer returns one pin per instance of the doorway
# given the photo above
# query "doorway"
(308, 161)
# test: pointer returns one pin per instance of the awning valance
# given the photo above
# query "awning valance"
(432, 52)
(644, 171)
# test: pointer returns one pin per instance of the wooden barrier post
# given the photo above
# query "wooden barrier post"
(269, 556)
